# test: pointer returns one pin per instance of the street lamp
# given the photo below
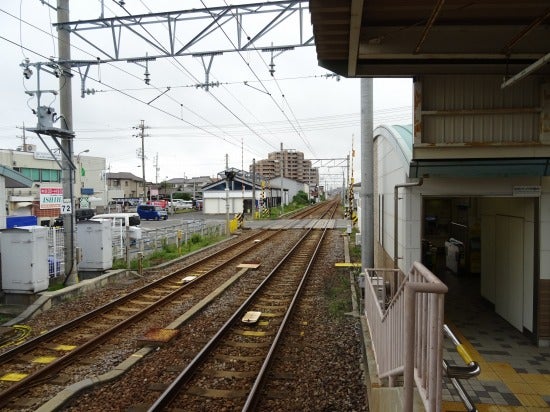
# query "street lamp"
(78, 155)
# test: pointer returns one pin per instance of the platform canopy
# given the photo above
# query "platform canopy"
(385, 38)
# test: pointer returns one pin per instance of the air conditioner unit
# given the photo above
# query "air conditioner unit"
(30, 147)
(379, 286)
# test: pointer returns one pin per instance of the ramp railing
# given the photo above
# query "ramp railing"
(405, 318)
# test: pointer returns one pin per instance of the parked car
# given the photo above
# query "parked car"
(178, 204)
(80, 214)
(150, 212)
(121, 221)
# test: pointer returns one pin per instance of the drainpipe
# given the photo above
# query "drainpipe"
(396, 216)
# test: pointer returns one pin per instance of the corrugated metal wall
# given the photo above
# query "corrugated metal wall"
(475, 110)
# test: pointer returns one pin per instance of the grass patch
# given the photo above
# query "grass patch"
(4, 318)
(55, 286)
(337, 293)
(170, 252)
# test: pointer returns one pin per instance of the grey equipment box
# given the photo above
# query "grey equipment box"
(24, 252)
(95, 239)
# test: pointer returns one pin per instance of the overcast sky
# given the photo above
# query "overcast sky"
(190, 130)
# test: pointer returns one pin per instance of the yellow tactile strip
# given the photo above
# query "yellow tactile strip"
(528, 388)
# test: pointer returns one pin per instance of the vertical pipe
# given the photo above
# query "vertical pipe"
(396, 218)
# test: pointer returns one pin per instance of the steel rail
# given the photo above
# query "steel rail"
(24, 384)
(173, 390)
(255, 391)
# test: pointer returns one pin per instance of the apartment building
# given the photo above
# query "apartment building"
(294, 167)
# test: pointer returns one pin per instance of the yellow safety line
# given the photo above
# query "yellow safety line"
(347, 265)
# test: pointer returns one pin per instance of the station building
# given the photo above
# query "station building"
(472, 192)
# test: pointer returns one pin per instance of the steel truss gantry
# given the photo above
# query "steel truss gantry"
(174, 40)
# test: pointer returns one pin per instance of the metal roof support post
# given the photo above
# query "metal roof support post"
(367, 173)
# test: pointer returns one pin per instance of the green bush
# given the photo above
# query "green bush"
(300, 198)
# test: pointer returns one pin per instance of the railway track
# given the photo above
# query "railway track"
(42, 357)
(229, 371)
(43, 360)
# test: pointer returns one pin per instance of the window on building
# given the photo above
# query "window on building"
(40, 175)
(50, 175)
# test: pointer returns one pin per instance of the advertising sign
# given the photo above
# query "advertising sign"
(51, 197)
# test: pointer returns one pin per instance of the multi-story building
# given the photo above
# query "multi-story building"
(45, 172)
(294, 166)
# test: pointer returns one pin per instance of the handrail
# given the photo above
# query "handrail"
(454, 372)
(413, 322)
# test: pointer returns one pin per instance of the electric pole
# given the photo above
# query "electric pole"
(66, 109)
(24, 138)
(281, 168)
(141, 127)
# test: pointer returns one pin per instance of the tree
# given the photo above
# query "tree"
(300, 198)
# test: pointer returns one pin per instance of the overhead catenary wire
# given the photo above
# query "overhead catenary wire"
(210, 94)
(254, 73)
(304, 139)
(237, 144)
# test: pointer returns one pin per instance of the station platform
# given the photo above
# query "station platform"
(515, 373)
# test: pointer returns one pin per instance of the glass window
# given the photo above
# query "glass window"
(33, 174)
(50, 175)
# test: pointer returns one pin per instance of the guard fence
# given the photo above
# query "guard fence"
(127, 247)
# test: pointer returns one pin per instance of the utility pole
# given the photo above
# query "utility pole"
(141, 127)
(254, 188)
(281, 169)
(157, 168)
(346, 196)
(66, 109)
(227, 194)
(24, 138)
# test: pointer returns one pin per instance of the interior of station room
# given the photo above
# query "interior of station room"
(492, 239)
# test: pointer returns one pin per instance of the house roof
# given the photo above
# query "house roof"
(124, 175)
(220, 184)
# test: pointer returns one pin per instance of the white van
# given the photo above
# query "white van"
(121, 221)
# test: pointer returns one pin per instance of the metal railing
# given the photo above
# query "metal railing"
(126, 247)
(455, 372)
(56, 252)
(405, 318)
